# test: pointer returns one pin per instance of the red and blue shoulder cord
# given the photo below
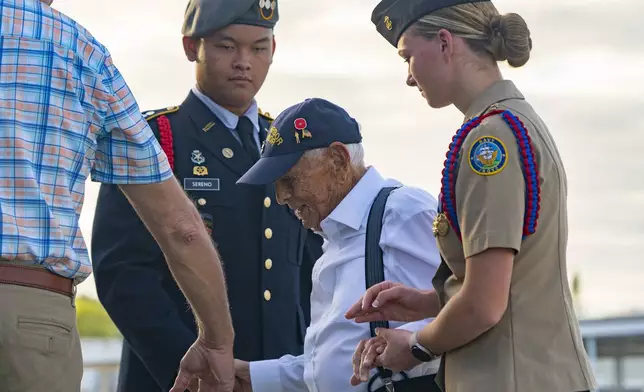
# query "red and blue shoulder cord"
(528, 164)
(165, 136)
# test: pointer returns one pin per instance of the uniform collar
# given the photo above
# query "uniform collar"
(499, 91)
(228, 118)
(353, 209)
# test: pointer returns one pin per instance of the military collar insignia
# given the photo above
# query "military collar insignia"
(208, 126)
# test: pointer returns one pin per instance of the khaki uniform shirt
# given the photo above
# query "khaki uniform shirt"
(537, 345)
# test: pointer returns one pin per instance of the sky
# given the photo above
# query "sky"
(584, 79)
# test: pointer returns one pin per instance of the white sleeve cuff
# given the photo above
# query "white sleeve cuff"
(265, 376)
(416, 326)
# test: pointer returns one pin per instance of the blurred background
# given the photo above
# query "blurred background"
(584, 79)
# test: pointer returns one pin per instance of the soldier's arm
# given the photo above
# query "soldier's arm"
(491, 202)
(128, 269)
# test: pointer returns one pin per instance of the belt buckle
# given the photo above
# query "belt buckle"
(74, 290)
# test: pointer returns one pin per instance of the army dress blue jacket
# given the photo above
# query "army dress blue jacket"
(266, 253)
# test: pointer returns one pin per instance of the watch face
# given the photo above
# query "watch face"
(420, 354)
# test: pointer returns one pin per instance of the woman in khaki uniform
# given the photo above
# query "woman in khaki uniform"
(504, 316)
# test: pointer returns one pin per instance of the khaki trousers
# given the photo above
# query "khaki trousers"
(39, 344)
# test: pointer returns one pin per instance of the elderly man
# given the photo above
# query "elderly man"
(215, 136)
(313, 154)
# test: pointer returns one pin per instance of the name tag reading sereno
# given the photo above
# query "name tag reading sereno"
(201, 184)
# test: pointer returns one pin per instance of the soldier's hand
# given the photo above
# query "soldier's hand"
(392, 302)
(214, 368)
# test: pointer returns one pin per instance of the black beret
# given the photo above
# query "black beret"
(204, 17)
(393, 17)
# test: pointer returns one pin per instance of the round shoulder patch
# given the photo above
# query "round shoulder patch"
(488, 156)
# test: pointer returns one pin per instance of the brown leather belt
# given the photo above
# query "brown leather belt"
(36, 277)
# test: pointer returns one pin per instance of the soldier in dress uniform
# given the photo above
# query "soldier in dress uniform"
(505, 320)
(211, 139)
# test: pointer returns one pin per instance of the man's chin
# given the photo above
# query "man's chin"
(240, 98)
(434, 104)
(309, 225)
(241, 90)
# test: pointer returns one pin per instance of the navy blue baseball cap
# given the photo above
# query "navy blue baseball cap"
(313, 123)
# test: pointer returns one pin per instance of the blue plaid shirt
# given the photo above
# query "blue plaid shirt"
(65, 113)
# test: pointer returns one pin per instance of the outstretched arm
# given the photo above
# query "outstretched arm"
(129, 271)
(177, 227)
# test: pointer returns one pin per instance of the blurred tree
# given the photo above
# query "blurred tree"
(93, 321)
(575, 287)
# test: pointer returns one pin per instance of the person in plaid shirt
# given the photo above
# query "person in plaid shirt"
(66, 113)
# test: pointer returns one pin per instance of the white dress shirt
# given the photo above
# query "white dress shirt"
(230, 119)
(410, 256)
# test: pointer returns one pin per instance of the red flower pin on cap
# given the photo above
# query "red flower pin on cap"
(300, 124)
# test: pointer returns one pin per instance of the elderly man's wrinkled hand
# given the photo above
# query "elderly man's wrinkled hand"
(242, 376)
(212, 369)
(390, 349)
(396, 355)
(364, 358)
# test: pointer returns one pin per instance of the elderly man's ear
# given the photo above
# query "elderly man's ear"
(339, 155)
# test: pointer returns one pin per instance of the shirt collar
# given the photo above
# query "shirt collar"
(229, 119)
(499, 91)
(353, 209)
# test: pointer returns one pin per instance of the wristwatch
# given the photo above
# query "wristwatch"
(419, 351)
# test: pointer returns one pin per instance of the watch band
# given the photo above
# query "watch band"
(419, 351)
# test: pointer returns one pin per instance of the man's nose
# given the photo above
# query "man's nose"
(411, 82)
(243, 60)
